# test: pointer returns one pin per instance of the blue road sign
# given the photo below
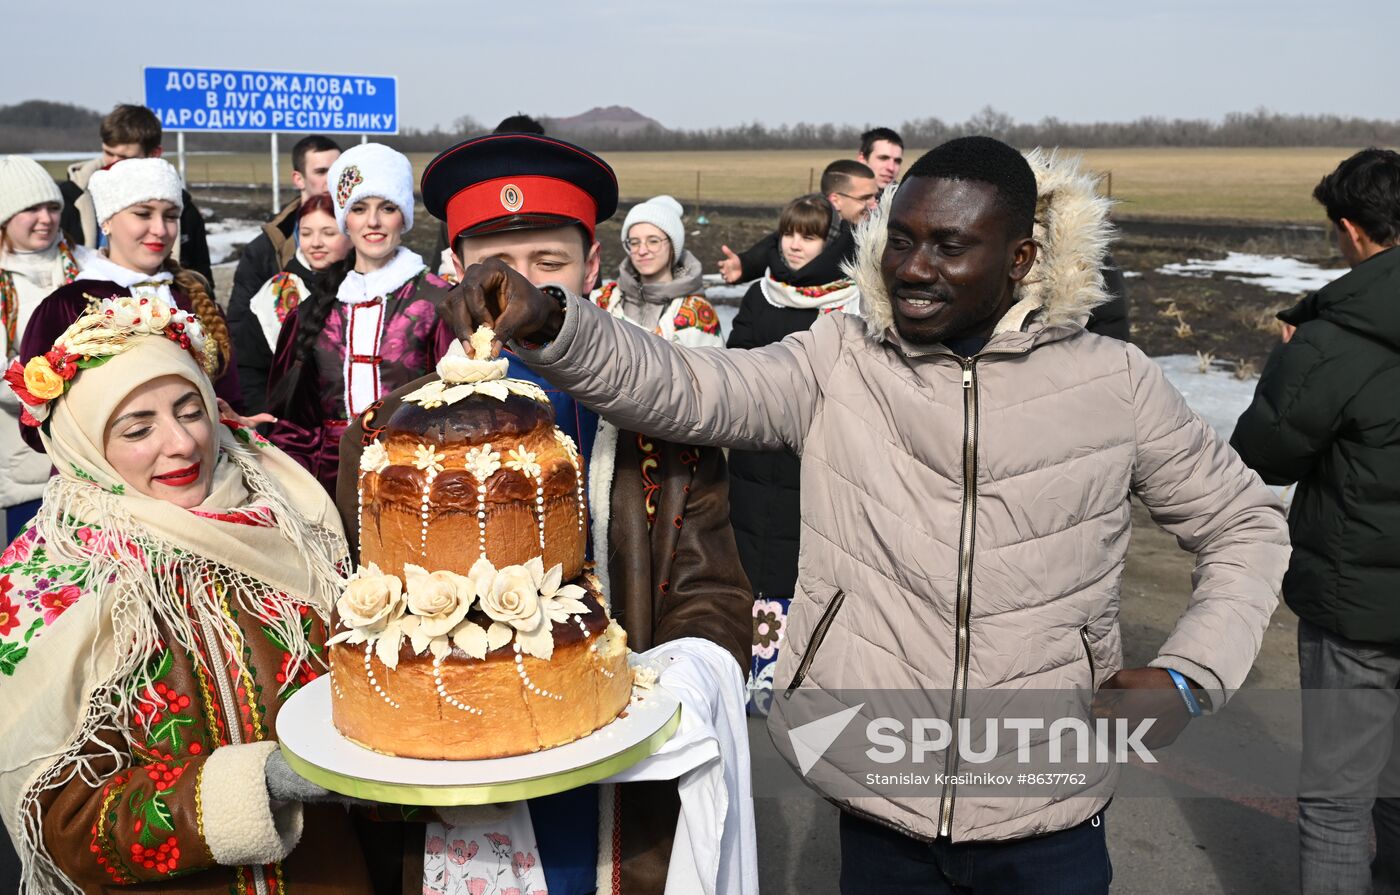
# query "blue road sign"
(207, 99)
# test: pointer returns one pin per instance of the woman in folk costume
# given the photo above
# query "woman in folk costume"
(319, 245)
(35, 259)
(138, 204)
(171, 594)
(803, 281)
(370, 326)
(658, 285)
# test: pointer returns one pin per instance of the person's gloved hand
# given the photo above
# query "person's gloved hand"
(286, 785)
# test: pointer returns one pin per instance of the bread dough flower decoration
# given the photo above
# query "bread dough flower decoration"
(438, 602)
(481, 462)
(523, 461)
(480, 372)
(374, 458)
(523, 602)
(427, 458)
(107, 328)
(371, 607)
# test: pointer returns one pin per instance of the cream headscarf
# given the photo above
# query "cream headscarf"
(68, 690)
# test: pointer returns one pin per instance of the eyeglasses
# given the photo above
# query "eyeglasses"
(653, 244)
(864, 200)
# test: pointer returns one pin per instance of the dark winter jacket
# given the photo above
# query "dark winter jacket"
(250, 346)
(764, 506)
(1111, 317)
(272, 250)
(1327, 416)
(79, 221)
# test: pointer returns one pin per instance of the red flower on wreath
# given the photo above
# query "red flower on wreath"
(14, 378)
(56, 602)
(9, 610)
(63, 363)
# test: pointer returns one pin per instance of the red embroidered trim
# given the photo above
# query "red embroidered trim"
(817, 291)
(617, 842)
(651, 461)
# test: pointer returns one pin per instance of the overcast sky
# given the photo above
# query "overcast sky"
(720, 62)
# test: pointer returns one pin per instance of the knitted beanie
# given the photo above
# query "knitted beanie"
(661, 212)
(23, 184)
(371, 171)
(131, 182)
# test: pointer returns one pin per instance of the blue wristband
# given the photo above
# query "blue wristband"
(1192, 706)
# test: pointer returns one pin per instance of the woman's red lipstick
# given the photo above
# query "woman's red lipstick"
(180, 477)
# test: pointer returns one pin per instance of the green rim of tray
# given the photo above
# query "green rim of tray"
(483, 793)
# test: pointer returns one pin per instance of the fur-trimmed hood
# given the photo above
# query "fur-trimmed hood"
(1071, 229)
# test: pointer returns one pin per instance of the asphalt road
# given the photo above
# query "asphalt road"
(1171, 846)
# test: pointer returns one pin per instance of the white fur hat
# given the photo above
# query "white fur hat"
(23, 184)
(661, 212)
(133, 181)
(371, 170)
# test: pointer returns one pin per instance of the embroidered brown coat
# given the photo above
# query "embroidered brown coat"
(189, 802)
(673, 571)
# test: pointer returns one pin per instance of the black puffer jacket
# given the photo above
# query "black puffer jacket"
(764, 507)
(1327, 416)
(250, 346)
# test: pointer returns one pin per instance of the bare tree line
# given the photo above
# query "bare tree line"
(38, 125)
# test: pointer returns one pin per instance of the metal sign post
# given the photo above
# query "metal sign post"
(276, 178)
(180, 152)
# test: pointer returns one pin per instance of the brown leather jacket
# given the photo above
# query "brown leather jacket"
(673, 571)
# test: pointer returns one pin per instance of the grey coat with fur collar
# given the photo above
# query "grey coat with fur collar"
(965, 524)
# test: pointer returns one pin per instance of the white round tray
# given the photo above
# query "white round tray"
(316, 750)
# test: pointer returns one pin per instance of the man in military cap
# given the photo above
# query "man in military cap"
(659, 510)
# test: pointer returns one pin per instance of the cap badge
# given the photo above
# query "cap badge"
(349, 179)
(512, 198)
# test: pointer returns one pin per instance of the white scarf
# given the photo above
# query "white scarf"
(358, 288)
(42, 268)
(782, 295)
(96, 265)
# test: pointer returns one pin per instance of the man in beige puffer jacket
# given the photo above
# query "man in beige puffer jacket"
(968, 453)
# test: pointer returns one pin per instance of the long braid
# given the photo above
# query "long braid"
(196, 289)
(312, 314)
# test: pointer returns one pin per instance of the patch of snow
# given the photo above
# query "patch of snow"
(720, 292)
(1130, 274)
(726, 314)
(1216, 396)
(1272, 272)
(55, 156)
(226, 235)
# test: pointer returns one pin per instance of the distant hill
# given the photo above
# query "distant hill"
(39, 124)
(619, 120)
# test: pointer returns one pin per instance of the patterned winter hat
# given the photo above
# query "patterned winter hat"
(371, 171)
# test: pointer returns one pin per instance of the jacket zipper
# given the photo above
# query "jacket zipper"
(232, 719)
(966, 542)
(818, 635)
(1088, 654)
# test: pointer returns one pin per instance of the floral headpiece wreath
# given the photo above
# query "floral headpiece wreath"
(107, 328)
